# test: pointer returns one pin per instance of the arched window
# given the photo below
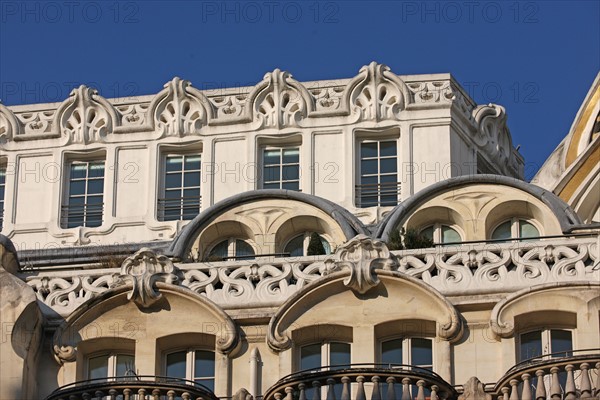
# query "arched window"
(440, 233)
(298, 245)
(515, 228)
(557, 342)
(193, 365)
(231, 248)
(110, 365)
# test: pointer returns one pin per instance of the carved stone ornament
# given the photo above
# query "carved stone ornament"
(143, 270)
(362, 255)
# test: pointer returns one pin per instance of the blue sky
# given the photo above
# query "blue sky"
(536, 58)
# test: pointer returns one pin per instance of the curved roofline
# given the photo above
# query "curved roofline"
(567, 218)
(350, 225)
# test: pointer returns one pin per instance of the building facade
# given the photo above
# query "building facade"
(243, 242)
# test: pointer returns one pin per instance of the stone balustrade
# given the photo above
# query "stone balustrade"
(362, 382)
(563, 378)
(133, 387)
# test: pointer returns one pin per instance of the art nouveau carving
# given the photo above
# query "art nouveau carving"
(142, 271)
(9, 124)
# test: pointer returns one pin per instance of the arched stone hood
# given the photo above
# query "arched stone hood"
(564, 214)
(347, 222)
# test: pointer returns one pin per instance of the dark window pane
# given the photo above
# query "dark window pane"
(173, 181)
(220, 250)
(191, 193)
(77, 187)
(78, 171)
(503, 231)
(275, 185)
(391, 352)
(271, 157)
(243, 249)
(192, 162)
(387, 148)
(176, 363)
(450, 235)
(561, 342)
(96, 186)
(174, 163)
(531, 345)
(428, 233)
(291, 186)
(291, 156)
(125, 365)
(368, 180)
(173, 194)
(209, 383)
(93, 200)
(389, 200)
(387, 165)
(368, 167)
(98, 367)
(295, 247)
(339, 353)
(310, 356)
(421, 352)
(191, 179)
(96, 170)
(527, 230)
(204, 364)
(291, 172)
(271, 174)
(368, 150)
(393, 178)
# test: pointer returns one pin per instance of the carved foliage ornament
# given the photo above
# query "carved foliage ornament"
(143, 270)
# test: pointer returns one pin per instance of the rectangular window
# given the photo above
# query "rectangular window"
(281, 168)
(2, 190)
(192, 365)
(552, 342)
(110, 365)
(378, 184)
(336, 356)
(181, 188)
(85, 200)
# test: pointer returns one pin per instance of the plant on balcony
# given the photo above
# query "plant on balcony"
(408, 239)
(315, 246)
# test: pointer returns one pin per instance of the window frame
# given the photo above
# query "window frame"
(162, 192)
(111, 363)
(305, 243)
(515, 225)
(407, 349)
(546, 341)
(359, 175)
(190, 363)
(281, 148)
(66, 194)
(438, 235)
(325, 352)
(232, 248)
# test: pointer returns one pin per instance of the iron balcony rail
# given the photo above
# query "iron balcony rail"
(373, 194)
(177, 207)
(345, 382)
(133, 387)
(86, 214)
(564, 375)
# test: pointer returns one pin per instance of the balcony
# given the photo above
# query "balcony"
(178, 208)
(377, 194)
(88, 214)
(133, 388)
(362, 382)
(567, 376)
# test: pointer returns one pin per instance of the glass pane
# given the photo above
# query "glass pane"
(368, 167)
(192, 162)
(368, 180)
(95, 186)
(527, 230)
(387, 148)
(449, 235)
(77, 187)
(125, 365)
(191, 193)
(209, 383)
(291, 156)
(392, 178)
(220, 250)
(295, 247)
(92, 201)
(271, 174)
(191, 179)
(368, 150)
(173, 181)
(503, 231)
(291, 172)
(326, 245)
(204, 364)
(391, 352)
(291, 186)
(98, 367)
(561, 342)
(420, 352)
(310, 356)
(176, 365)
(275, 185)
(339, 353)
(428, 232)
(173, 194)
(96, 170)
(387, 165)
(243, 249)
(271, 157)
(174, 163)
(531, 345)
(78, 171)
(388, 200)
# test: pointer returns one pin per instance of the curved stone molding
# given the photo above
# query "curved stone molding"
(376, 93)
(540, 297)
(280, 101)
(143, 270)
(493, 137)
(179, 109)
(10, 126)
(85, 116)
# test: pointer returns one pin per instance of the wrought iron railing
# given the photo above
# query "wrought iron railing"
(178, 208)
(133, 387)
(88, 214)
(377, 194)
(362, 381)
